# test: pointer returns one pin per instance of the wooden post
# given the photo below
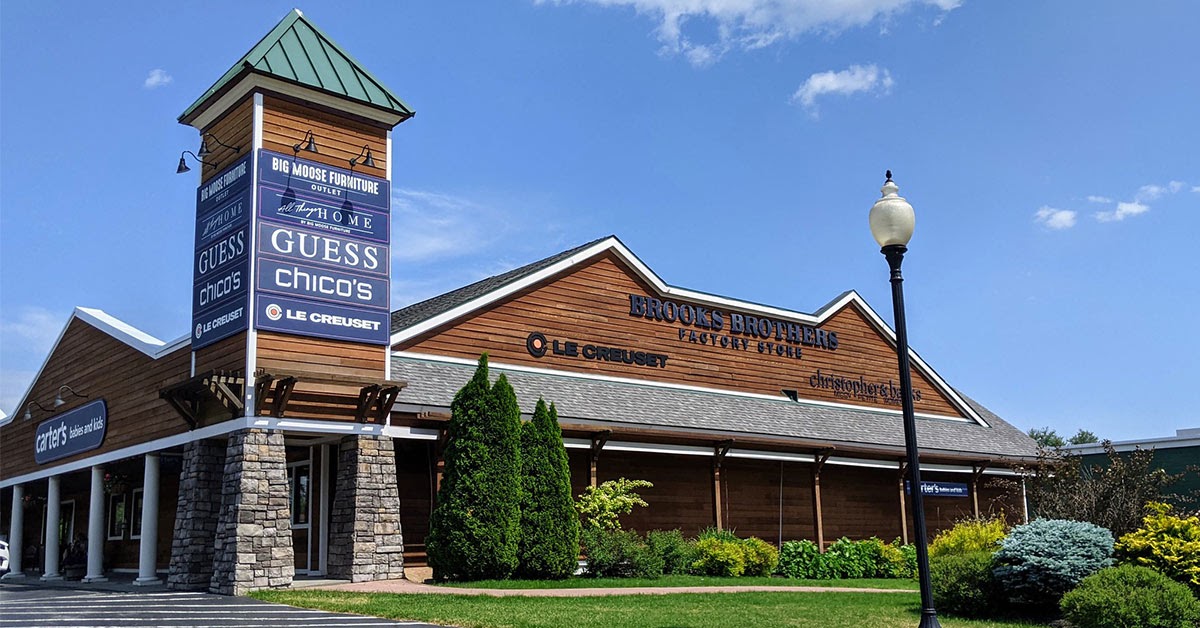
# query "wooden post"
(976, 471)
(903, 505)
(719, 452)
(598, 441)
(818, 462)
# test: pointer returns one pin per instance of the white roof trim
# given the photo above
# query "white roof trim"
(1166, 442)
(256, 80)
(105, 322)
(620, 250)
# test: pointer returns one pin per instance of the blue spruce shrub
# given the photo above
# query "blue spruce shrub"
(1040, 561)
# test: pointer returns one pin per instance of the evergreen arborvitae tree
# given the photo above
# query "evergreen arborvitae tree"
(473, 528)
(549, 542)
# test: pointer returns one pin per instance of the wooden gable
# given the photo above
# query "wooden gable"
(592, 318)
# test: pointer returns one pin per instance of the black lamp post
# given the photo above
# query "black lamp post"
(892, 221)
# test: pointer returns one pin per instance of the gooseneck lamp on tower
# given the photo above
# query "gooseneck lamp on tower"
(892, 221)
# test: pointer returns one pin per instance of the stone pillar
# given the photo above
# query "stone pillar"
(365, 541)
(148, 545)
(96, 531)
(53, 514)
(253, 543)
(16, 535)
(191, 566)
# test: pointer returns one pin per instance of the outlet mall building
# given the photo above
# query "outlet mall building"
(297, 428)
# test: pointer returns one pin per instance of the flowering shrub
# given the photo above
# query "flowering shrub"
(601, 506)
(761, 557)
(719, 557)
(971, 535)
(1167, 543)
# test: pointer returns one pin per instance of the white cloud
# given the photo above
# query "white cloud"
(34, 329)
(1123, 211)
(852, 80)
(754, 24)
(1099, 199)
(1141, 201)
(1055, 219)
(24, 338)
(157, 78)
(444, 241)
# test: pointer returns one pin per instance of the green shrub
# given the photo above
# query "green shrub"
(549, 534)
(475, 525)
(712, 532)
(850, 559)
(803, 560)
(894, 560)
(600, 507)
(963, 584)
(619, 554)
(971, 535)
(1040, 561)
(1167, 543)
(719, 557)
(1125, 596)
(676, 552)
(761, 557)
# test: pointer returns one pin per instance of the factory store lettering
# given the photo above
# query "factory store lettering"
(733, 331)
(539, 346)
(859, 389)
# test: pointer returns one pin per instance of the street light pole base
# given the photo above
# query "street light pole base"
(929, 619)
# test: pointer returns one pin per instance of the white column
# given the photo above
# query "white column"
(53, 514)
(96, 531)
(16, 529)
(323, 540)
(148, 546)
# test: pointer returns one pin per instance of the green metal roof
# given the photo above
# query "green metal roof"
(297, 51)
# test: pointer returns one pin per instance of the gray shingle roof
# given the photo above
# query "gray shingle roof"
(642, 405)
(424, 310)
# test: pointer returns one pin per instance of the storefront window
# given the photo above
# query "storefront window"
(298, 492)
(135, 517)
(116, 517)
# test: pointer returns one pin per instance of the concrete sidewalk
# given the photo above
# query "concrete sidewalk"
(405, 586)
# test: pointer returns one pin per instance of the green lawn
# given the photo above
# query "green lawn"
(683, 610)
(684, 581)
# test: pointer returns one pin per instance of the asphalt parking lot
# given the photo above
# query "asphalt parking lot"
(28, 605)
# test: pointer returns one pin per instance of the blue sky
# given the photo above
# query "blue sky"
(1049, 149)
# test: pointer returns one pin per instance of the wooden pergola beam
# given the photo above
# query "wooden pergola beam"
(598, 441)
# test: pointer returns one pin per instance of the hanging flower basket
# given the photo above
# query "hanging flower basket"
(115, 483)
(32, 501)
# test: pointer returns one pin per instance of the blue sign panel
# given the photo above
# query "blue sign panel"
(324, 320)
(333, 215)
(322, 249)
(322, 284)
(223, 218)
(939, 489)
(318, 181)
(219, 322)
(221, 267)
(71, 432)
